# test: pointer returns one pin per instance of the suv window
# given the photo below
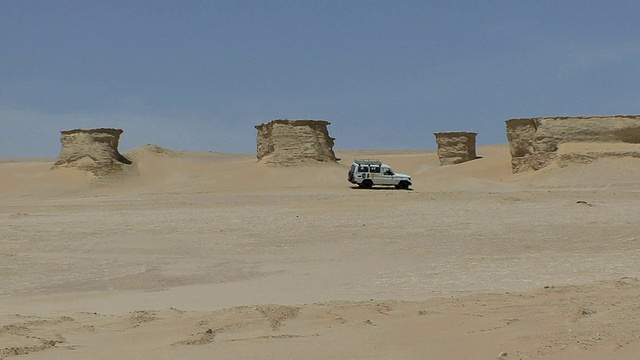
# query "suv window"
(375, 169)
(363, 169)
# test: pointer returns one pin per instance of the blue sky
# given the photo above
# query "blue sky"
(198, 75)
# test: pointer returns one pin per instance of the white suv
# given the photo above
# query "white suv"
(367, 173)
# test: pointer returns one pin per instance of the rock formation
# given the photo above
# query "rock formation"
(94, 150)
(456, 147)
(293, 142)
(534, 142)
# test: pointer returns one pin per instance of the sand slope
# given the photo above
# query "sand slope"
(201, 255)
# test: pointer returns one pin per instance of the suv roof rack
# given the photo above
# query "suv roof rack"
(367, 162)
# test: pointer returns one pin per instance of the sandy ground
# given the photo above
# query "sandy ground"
(210, 255)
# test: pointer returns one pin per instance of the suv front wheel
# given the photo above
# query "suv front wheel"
(404, 185)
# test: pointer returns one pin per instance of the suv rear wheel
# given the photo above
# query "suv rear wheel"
(367, 184)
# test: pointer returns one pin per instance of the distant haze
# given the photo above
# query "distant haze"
(198, 75)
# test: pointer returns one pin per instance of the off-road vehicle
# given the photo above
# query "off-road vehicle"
(369, 173)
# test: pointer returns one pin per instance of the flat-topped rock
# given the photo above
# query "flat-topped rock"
(456, 147)
(94, 150)
(294, 142)
(534, 142)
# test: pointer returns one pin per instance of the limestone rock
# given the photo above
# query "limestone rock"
(534, 142)
(94, 150)
(294, 142)
(456, 147)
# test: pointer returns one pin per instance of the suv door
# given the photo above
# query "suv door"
(375, 171)
(363, 173)
(386, 177)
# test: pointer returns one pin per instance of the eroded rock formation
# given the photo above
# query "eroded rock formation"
(293, 142)
(534, 142)
(456, 147)
(94, 150)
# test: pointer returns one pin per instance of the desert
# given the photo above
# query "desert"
(205, 255)
(319, 180)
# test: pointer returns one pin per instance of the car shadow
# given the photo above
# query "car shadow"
(382, 188)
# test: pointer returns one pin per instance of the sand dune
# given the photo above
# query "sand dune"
(213, 255)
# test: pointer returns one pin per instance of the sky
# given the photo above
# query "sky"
(199, 75)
